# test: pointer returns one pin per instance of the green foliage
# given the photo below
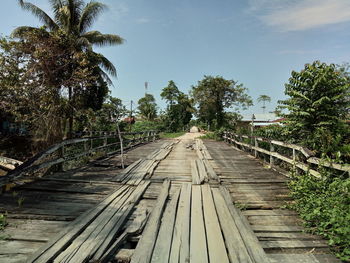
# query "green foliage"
(139, 126)
(317, 106)
(276, 132)
(179, 110)
(61, 67)
(104, 119)
(325, 206)
(213, 95)
(148, 107)
(215, 135)
(171, 135)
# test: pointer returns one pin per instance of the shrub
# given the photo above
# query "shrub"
(325, 206)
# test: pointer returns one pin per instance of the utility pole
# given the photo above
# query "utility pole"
(130, 117)
(146, 88)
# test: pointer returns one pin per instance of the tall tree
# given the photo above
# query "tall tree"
(71, 22)
(179, 110)
(148, 107)
(317, 106)
(213, 95)
(170, 93)
(264, 99)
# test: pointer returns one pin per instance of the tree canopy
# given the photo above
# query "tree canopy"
(214, 95)
(67, 63)
(179, 109)
(148, 107)
(317, 106)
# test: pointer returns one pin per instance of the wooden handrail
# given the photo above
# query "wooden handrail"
(308, 154)
(39, 161)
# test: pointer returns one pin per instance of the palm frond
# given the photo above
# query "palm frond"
(105, 77)
(75, 8)
(106, 65)
(82, 42)
(39, 13)
(99, 39)
(56, 6)
(90, 14)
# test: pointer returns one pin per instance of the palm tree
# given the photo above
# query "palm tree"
(73, 19)
(264, 99)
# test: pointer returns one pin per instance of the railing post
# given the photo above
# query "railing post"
(294, 159)
(272, 149)
(105, 140)
(61, 155)
(256, 146)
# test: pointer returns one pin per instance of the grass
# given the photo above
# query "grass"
(170, 135)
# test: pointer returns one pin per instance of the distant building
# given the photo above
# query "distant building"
(260, 120)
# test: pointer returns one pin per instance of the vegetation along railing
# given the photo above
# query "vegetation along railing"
(75, 152)
(293, 155)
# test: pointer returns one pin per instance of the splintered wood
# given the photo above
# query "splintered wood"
(201, 169)
(198, 224)
(144, 168)
(94, 235)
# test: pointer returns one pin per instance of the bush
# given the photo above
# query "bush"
(140, 126)
(325, 206)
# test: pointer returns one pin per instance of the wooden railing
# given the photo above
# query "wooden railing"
(292, 154)
(95, 143)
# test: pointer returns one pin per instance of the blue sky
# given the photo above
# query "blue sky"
(255, 42)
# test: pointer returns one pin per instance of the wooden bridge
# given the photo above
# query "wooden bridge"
(180, 200)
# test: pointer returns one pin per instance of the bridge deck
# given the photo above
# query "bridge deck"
(50, 204)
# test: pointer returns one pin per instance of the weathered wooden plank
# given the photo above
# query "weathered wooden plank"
(132, 229)
(198, 240)
(294, 244)
(251, 242)
(144, 249)
(235, 245)
(203, 176)
(195, 173)
(273, 228)
(216, 244)
(105, 237)
(161, 252)
(270, 236)
(80, 246)
(180, 248)
(60, 242)
(212, 174)
(303, 258)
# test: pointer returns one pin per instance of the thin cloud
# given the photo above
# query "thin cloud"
(302, 14)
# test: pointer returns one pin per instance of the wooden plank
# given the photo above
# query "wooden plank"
(251, 242)
(79, 248)
(161, 252)
(198, 240)
(216, 245)
(144, 249)
(203, 177)
(294, 244)
(180, 247)
(195, 173)
(237, 251)
(110, 231)
(302, 258)
(273, 228)
(212, 174)
(60, 242)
